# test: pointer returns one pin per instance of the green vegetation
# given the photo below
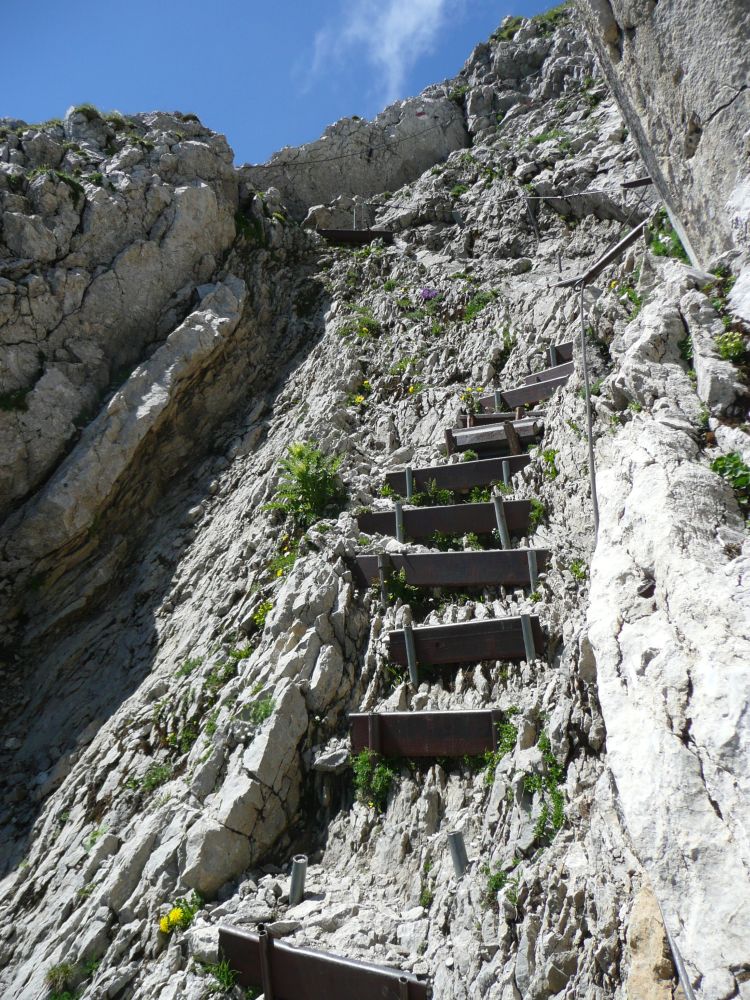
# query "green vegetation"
(476, 304)
(553, 133)
(362, 325)
(627, 293)
(89, 111)
(75, 185)
(458, 189)
(261, 710)
(432, 496)
(309, 487)
(372, 779)
(731, 345)
(261, 613)
(224, 977)
(552, 18)
(499, 879)
(507, 734)
(249, 229)
(469, 455)
(508, 32)
(399, 590)
(155, 776)
(552, 813)
(181, 914)
(186, 669)
(426, 897)
(89, 842)
(470, 397)
(458, 93)
(578, 569)
(59, 977)
(389, 285)
(732, 468)
(663, 240)
(536, 514)
(548, 457)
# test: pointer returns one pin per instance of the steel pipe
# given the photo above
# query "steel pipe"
(299, 873)
(458, 852)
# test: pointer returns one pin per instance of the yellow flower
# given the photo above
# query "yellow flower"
(358, 400)
(164, 925)
(175, 916)
(279, 572)
(366, 384)
(411, 388)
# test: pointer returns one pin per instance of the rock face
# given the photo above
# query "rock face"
(178, 660)
(680, 76)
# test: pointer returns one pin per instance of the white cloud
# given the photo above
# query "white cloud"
(391, 34)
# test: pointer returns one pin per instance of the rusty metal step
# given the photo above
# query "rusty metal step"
(481, 419)
(523, 395)
(459, 477)
(548, 373)
(467, 642)
(497, 567)
(455, 519)
(509, 437)
(285, 972)
(425, 734)
(356, 237)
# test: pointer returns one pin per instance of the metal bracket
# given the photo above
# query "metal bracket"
(502, 524)
(399, 521)
(373, 732)
(411, 656)
(506, 472)
(382, 567)
(533, 578)
(498, 400)
(528, 638)
(266, 949)
(409, 482)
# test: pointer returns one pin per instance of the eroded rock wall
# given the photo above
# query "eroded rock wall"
(679, 72)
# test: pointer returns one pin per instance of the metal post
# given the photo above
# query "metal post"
(589, 424)
(552, 354)
(498, 400)
(409, 482)
(502, 524)
(399, 521)
(299, 871)
(528, 638)
(458, 852)
(265, 942)
(559, 263)
(682, 973)
(533, 578)
(382, 566)
(531, 216)
(403, 988)
(450, 442)
(506, 471)
(411, 656)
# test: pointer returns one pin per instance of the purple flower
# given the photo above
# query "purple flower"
(428, 293)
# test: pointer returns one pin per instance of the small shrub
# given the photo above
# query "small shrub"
(89, 111)
(181, 914)
(363, 325)
(477, 304)
(554, 133)
(309, 486)
(663, 240)
(155, 776)
(261, 710)
(732, 468)
(261, 613)
(507, 734)
(578, 569)
(59, 977)
(469, 455)
(550, 19)
(372, 779)
(96, 834)
(399, 590)
(389, 285)
(535, 597)
(536, 514)
(731, 345)
(470, 397)
(426, 897)
(458, 93)
(432, 496)
(97, 178)
(186, 669)
(458, 189)
(388, 492)
(548, 456)
(508, 32)
(75, 186)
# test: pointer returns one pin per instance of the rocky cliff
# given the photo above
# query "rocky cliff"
(179, 661)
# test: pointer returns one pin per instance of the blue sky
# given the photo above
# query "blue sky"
(265, 74)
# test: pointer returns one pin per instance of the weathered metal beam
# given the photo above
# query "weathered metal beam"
(522, 395)
(605, 260)
(496, 435)
(304, 974)
(356, 237)
(455, 519)
(564, 351)
(461, 476)
(559, 371)
(467, 642)
(507, 567)
(639, 182)
(428, 734)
